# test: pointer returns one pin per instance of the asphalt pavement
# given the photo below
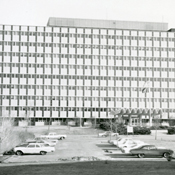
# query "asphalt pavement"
(86, 148)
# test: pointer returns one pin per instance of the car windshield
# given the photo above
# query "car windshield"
(44, 145)
(53, 141)
(152, 147)
(133, 146)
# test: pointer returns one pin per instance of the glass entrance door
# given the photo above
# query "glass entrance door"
(135, 121)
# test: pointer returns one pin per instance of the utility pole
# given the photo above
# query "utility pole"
(150, 119)
(149, 98)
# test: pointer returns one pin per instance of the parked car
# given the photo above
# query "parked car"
(122, 141)
(129, 143)
(48, 142)
(52, 142)
(127, 149)
(151, 150)
(53, 135)
(114, 142)
(107, 133)
(22, 145)
(33, 148)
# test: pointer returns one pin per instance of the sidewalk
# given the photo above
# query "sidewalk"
(3, 158)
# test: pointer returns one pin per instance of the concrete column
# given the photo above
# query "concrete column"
(120, 120)
(130, 120)
(150, 120)
(140, 120)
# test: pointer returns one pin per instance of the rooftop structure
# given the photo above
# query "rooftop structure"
(108, 24)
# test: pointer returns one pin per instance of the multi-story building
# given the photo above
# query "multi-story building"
(86, 68)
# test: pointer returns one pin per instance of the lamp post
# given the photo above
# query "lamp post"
(50, 113)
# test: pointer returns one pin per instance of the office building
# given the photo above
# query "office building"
(78, 68)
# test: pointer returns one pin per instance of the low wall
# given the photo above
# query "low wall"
(22, 123)
(56, 123)
(39, 123)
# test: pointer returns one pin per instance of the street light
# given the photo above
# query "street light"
(50, 113)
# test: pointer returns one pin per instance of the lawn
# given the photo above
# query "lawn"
(94, 168)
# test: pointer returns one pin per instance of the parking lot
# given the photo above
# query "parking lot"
(90, 145)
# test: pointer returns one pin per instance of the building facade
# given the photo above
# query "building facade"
(75, 68)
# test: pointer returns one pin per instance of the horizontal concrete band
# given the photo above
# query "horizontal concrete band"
(137, 111)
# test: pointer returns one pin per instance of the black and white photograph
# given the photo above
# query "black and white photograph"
(87, 87)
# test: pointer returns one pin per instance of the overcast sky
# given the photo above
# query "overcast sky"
(37, 12)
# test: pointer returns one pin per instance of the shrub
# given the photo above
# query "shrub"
(171, 130)
(122, 129)
(141, 130)
(171, 122)
(153, 128)
(105, 126)
(163, 127)
(158, 128)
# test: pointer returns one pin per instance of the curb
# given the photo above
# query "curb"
(76, 161)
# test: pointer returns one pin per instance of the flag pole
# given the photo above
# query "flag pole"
(150, 119)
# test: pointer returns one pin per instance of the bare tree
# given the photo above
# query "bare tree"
(6, 132)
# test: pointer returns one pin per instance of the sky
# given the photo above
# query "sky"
(37, 12)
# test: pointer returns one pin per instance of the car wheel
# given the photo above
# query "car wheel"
(141, 155)
(169, 158)
(19, 153)
(166, 154)
(42, 152)
(61, 138)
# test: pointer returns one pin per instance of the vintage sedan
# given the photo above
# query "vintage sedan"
(33, 148)
(53, 135)
(151, 150)
(129, 143)
(48, 142)
(107, 133)
(114, 142)
(128, 148)
(123, 140)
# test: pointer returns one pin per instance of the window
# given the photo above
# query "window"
(31, 146)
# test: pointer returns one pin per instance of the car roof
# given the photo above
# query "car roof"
(34, 143)
(126, 138)
(147, 145)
